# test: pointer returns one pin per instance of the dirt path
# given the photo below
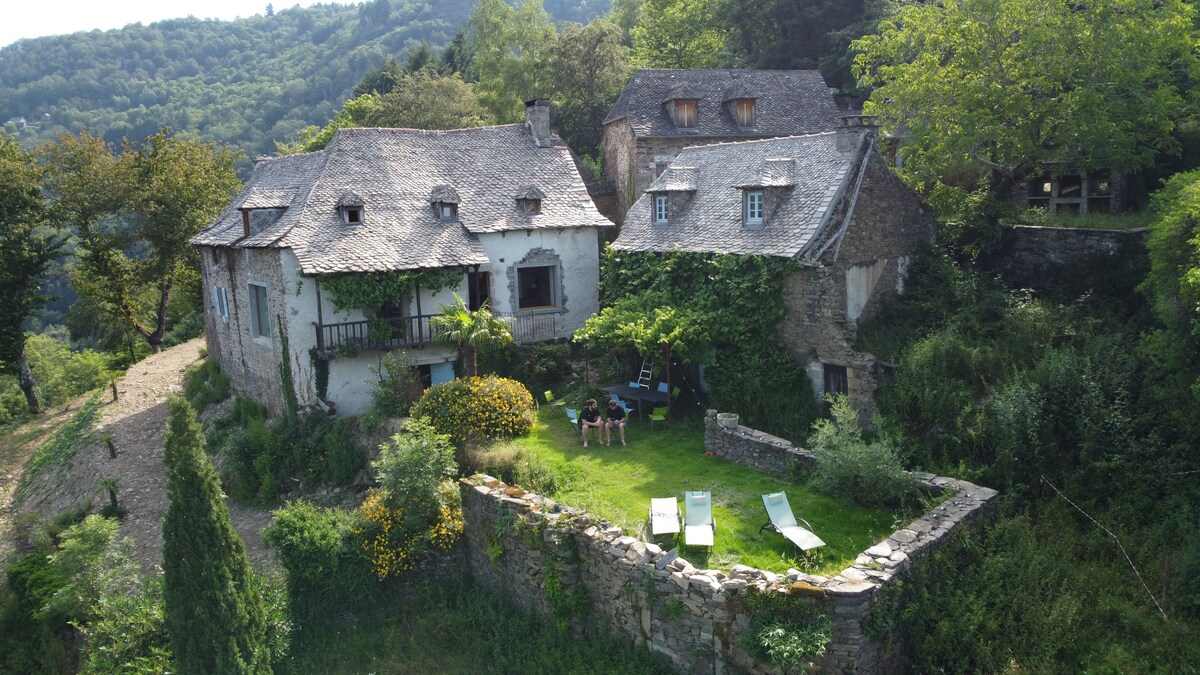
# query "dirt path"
(136, 422)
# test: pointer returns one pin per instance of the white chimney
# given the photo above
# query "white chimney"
(537, 116)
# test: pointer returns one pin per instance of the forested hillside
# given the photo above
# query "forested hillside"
(246, 83)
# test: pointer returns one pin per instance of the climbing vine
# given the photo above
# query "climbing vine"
(371, 290)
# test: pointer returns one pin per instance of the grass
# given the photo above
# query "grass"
(458, 629)
(58, 450)
(1095, 221)
(617, 483)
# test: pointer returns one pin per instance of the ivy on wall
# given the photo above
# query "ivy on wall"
(371, 290)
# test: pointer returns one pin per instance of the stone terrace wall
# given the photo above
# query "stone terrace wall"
(1030, 252)
(521, 544)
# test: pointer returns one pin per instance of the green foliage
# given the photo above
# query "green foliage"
(960, 77)
(63, 374)
(128, 634)
(370, 291)
(214, 616)
(849, 466)
(640, 323)
(475, 409)
(291, 404)
(785, 631)
(970, 220)
(679, 34)
(59, 450)
(509, 46)
(152, 198)
(564, 605)
(410, 468)
(400, 386)
(588, 67)
(321, 550)
(469, 331)
(514, 466)
(93, 563)
(768, 388)
(204, 384)
(29, 644)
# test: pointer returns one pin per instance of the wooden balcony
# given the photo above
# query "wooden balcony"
(415, 332)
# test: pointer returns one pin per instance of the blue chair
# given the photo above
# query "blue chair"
(662, 387)
(573, 416)
(621, 402)
(633, 384)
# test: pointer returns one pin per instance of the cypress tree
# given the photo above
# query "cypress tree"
(215, 620)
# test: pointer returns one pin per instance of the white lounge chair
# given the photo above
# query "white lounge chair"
(784, 522)
(699, 526)
(664, 516)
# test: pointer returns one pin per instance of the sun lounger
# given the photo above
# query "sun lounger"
(699, 526)
(664, 516)
(784, 522)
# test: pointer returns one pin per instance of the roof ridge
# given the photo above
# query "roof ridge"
(758, 140)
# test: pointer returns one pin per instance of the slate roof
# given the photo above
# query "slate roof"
(787, 102)
(394, 173)
(709, 219)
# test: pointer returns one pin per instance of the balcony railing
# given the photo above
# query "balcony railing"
(414, 332)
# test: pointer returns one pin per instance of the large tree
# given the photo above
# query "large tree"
(588, 68)
(508, 46)
(27, 247)
(213, 614)
(134, 213)
(1013, 86)
(679, 34)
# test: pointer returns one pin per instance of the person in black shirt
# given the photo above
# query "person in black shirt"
(589, 418)
(616, 418)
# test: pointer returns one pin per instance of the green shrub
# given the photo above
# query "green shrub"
(63, 374)
(399, 387)
(543, 366)
(13, 407)
(513, 466)
(128, 634)
(848, 466)
(410, 468)
(94, 562)
(478, 409)
(767, 387)
(204, 384)
(784, 631)
(321, 550)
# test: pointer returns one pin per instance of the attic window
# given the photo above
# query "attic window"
(660, 209)
(531, 206)
(353, 215)
(752, 208)
(745, 112)
(685, 113)
(447, 211)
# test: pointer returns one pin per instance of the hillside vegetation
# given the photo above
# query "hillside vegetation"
(246, 83)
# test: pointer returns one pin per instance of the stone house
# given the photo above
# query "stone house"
(501, 211)
(660, 112)
(827, 200)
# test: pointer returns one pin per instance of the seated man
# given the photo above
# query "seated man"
(589, 418)
(616, 418)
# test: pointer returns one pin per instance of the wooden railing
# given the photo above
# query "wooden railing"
(415, 332)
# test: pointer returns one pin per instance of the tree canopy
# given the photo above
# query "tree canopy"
(1013, 86)
(679, 34)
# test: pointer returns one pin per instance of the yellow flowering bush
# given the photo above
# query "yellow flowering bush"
(478, 408)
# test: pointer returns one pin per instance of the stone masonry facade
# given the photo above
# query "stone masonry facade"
(889, 223)
(562, 562)
(1030, 253)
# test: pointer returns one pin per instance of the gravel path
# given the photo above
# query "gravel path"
(136, 422)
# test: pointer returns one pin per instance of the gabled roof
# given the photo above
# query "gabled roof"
(798, 208)
(787, 102)
(395, 173)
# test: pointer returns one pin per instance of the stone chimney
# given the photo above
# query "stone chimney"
(851, 128)
(537, 116)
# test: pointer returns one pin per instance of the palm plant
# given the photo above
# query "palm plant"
(468, 331)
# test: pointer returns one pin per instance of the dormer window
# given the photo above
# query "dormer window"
(352, 207)
(660, 209)
(529, 199)
(685, 113)
(531, 206)
(744, 112)
(445, 201)
(752, 208)
(447, 211)
(353, 215)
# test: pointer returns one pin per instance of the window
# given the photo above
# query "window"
(535, 287)
(753, 211)
(353, 215)
(220, 302)
(685, 113)
(479, 286)
(447, 211)
(745, 112)
(660, 209)
(532, 206)
(836, 381)
(260, 312)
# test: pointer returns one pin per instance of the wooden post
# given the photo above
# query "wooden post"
(112, 449)
(114, 390)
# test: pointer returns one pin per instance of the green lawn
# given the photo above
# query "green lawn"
(617, 483)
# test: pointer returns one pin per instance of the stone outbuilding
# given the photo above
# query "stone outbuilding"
(501, 211)
(828, 201)
(660, 112)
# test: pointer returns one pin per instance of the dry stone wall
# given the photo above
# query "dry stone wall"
(1030, 253)
(560, 561)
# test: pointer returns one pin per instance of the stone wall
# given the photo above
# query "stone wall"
(1030, 254)
(562, 562)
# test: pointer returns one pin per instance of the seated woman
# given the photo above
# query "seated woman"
(589, 418)
(616, 418)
